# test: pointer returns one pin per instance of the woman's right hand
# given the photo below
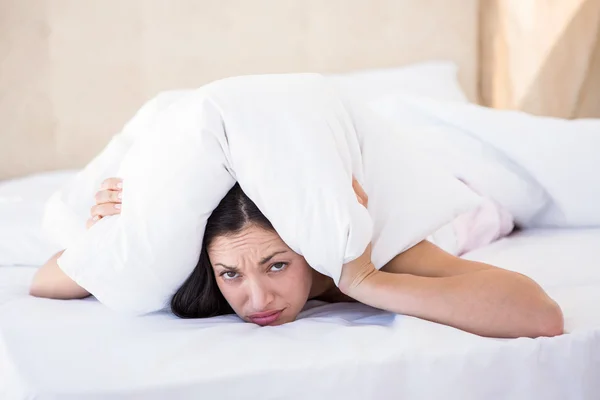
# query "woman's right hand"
(108, 201)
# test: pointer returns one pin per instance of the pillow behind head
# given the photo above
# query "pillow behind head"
(466, 153)
(558, 156)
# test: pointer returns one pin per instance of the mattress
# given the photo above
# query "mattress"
(78, 349)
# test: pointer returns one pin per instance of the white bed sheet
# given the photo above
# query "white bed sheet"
(80, 350)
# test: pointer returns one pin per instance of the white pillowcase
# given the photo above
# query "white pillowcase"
(560, 156)
(465, 153)
(293, 145)
(434, 79)
(22, 239)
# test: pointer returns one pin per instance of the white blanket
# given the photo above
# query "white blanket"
(292, 142)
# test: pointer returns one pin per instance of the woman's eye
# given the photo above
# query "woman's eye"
(229, 274)
(278, 267)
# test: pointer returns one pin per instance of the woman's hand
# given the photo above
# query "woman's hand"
(108, 201)
(357, 271)
(49, 281)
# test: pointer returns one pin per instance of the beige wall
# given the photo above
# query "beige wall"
(541, 56)
(73, 71)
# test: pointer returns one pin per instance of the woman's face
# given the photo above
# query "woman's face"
(261, 278)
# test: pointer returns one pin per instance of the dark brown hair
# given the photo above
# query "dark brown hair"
(199, 296)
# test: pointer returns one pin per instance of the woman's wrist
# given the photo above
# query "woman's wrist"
(385, 291)
(358, 280)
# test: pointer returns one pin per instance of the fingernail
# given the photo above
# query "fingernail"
(96, 217)
(118, 206)
(120, 185)
(120, 195)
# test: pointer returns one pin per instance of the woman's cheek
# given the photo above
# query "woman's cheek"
(230, 293)
(300, 282)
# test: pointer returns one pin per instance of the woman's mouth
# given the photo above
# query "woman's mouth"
(265, 317)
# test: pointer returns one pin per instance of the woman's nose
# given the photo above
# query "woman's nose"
(260, 297)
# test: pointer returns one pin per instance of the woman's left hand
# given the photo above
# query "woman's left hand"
(357, 271)
(360, 193)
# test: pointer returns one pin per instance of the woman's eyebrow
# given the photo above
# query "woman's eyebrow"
(268, 258)
(228, 267)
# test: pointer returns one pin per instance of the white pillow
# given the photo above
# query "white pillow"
(293, 145)
(464, 154)
(562, 156)
(435, 79)
(69, 207)
(22, 239)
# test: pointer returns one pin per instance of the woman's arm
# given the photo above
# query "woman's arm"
(50, 282)
(428, 283)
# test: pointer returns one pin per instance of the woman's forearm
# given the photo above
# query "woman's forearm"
(50, 282)
(492, 302)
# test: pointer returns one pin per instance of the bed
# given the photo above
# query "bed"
(80, 350)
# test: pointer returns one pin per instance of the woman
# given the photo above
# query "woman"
(245, 268)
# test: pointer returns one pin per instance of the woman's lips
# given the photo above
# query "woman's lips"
(265, 318)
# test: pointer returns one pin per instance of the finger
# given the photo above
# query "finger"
(90, 222)
(356, 192)
(360, 193)
(112, 184)
(108, 196)
(104, 210)
(360, 201)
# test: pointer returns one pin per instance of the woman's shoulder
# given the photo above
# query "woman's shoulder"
(334, 295)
